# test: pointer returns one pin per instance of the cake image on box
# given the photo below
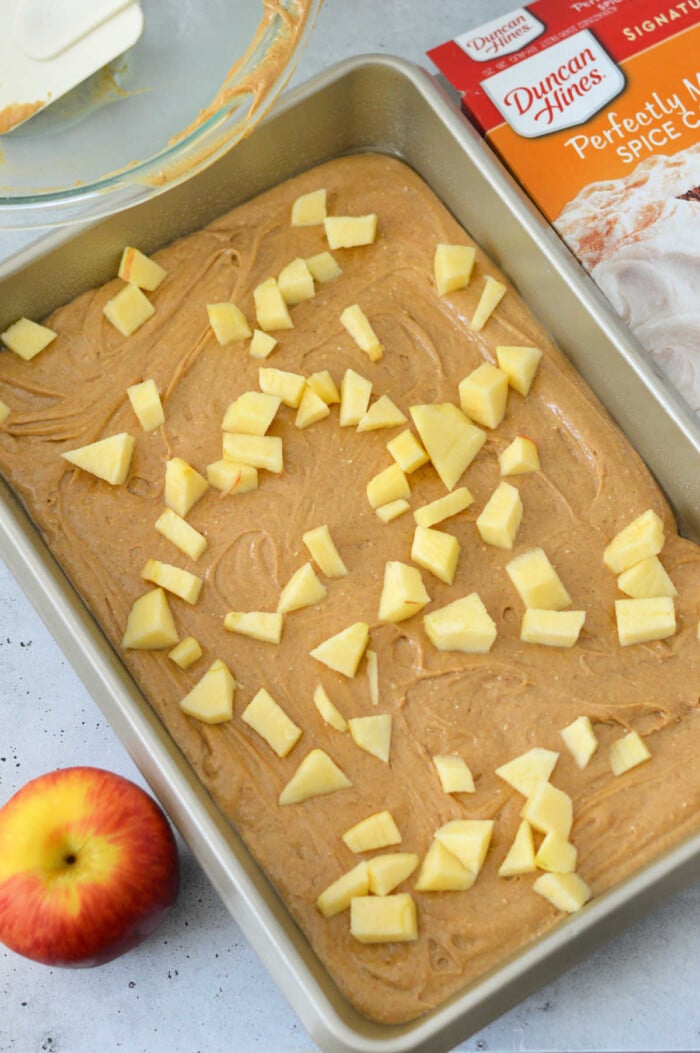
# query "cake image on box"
(411, 606)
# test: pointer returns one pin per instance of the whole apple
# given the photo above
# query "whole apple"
(88, 867)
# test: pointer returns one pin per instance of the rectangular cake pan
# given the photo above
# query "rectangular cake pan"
(380, 104)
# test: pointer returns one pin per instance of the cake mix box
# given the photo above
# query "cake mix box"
(594, 105)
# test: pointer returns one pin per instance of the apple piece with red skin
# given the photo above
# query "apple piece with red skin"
(88, 867)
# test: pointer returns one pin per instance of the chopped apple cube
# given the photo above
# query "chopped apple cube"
(355, 392)
(180, 582)
(444, 507)
(463, 625)
(436, 552)
(258, 451)
(328, 711)
(407, 451)
(492, 294)
(520, 457)
(347, 232)
(271, 310)
(388, 485)
(640, 539)
(251, 413)
(520, 364)
(376, 831)
(549, 809)
(640, 621)
(468, 840)
(324, 553)
(146, 404)
(441, 871)
(261, 344)
(452, 441)
(520, 858)
(309, 210)
(372, 734)
(26, 338)
(355, 321)
(109, 459)
(556, 854)
(579, 738)
(186, 653)
(150, 625)
(501, 516)
(128, 310)
(296, 282)
(178, 531)
(271, 723)
(312, 409)
(387, 513)
(4, 412)
(453, 266)
(454, 774)
(228, 323)
(525, 772)
(343, 651)
(373, 676)
(289, 387)
(260, 625)
(211, 699)
(316, 775)
(302, 590)
(232, 478)
(567, 892)
(628, 752)
(386, 872)
(183, 485)
(403, 592)
(483, 395)
(323, 385)
(383, 414)
(383, 919)
(141, 270)
(338, 896)
(537, 582)
(646, 580)
(323, 267)
(551, 628)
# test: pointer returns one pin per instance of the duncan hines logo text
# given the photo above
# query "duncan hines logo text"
(501, 36)
(560, 87)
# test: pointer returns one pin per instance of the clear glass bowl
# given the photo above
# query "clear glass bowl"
(200, 77)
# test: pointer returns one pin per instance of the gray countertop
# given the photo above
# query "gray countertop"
(196, 986)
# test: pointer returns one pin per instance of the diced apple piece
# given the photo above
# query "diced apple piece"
(556, 854)
(492, 294)
(228, 323)
(183, 485)
(312, 409)
(520, 858)
(640, 621)
(232, 478)
(343, 651)
(640, 539)
(520, 364)
(436, 552)
(454, 774)
(269, 720)
(302, 590)
(289, 387)
(628, 752)
(323, 385)
(186, 653)
(549, 809)
(309, 210)
(271, 310)
(150, 625)
(324, 553)
(328, 711)
(251, 413)
(386, 872)
(211, 699)
(403, 592)
(109, 459)
(355, 392)
(383, 919)
(383, 414)
(525, 772)
(501, 516)
(4, 412)
(261, 344)
(146, 404)
(483, 395)
(444, 507)
(296, 282)
(257, 451)
(463, 625)
(646, 580)
(323, 267)
(453, 266)
(373, 676)
(27, 338)
(441, 871)
(355, 321)
(468, 840)
(128, 310)
(579, 738)
(338, 896)
(520, 457)
(388, 485)
(347, 232)
(178, 531)
(316, 775)
(452, 442)
(387, 513)
(374, 832)
(566, 892)
(260, 625)
(372, 734)
(551, 628)
(180, 582)
(537, 582)
(141, 270)
(407, 452)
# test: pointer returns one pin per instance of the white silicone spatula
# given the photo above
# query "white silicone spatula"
(49, 46)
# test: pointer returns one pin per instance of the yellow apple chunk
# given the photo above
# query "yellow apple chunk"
(403, 592)
(146, 404)
(141, 270)
(323, 385)
(27, 338)
(348, 232)
(548, 809)
(383, 919)
(323, 267)
(501, 516)
(443, 508)
(183, 485)
(454, 774)
(641, 621)
(492, 294)
(520, 457)
(526, 771)
(271, 310)
(296, 282)
(463, 625)
(640, 539)
(211, 699)
(329, 713)
(312, 409)
(180, 582)
(556, 854)
(232, 478)
(388, 485)
(537, 582)
(468, 840)
(483, 395)
(566, 892)
(407, 452)
(289, 387)
(259, 625)
(355, 322)
(436, 552)
(441, 871)
(386, 872)
(128, 310)
(257, 451)
(178, 531)
(261, 344)
(302, 590)
(316, 776)
(251, 413)
(355, 392)
(324, 553)
(186, 653)
(383, 414)
(150, 625)
(374, 832)
(228, 323)
(309, 210)
(387, 513)
(4, 412)
(520, 364)
(343, 651)
(269, 720)
(580, 739)
(450, 439)
(520, 858)
(108, 459)
(452, 266)
(551, 628)
(338, 896)
(628, 752)
(373, 676)
(646, 580)
(372, 734)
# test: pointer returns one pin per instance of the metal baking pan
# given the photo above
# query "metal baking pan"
(380, 104)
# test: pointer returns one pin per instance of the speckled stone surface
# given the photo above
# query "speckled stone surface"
(196, 986)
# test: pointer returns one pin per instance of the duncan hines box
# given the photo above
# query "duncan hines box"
(594, 105)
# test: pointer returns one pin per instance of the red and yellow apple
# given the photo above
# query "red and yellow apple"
(88, 867)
